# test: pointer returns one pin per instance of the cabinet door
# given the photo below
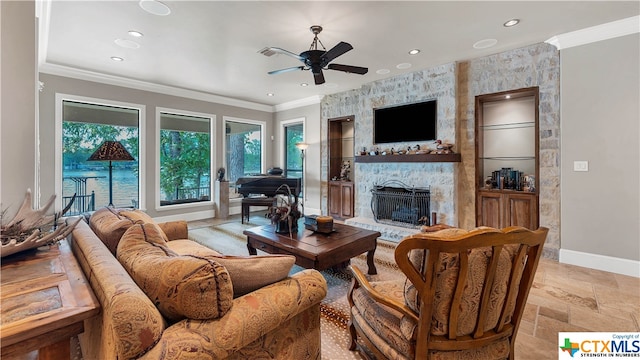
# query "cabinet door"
(347, 200)
(335, 199)
(489, 209)
(521, 210)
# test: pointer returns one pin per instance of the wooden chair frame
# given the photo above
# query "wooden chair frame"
(525, 262)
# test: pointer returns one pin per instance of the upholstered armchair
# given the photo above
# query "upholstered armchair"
(463, 296)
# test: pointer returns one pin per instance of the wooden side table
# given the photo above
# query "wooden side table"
(44, 300)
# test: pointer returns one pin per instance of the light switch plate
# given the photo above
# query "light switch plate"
(580, 166)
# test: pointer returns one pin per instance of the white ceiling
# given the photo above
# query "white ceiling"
(212, 46)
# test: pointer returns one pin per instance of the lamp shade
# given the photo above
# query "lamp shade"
(302, 146)
(111, 150)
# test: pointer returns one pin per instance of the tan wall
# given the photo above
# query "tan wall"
(600, 124)
(18, 37)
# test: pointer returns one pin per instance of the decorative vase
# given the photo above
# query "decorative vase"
(282, 226)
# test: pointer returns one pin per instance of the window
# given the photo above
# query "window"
(293, 134)
(185, 157)
(84, 127)
(244, 152)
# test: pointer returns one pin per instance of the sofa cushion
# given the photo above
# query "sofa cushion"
(181, 286)
(111, 223)
(248, 273)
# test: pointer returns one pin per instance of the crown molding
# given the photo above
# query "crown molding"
(596, 33)
(299, 103)
(79, 74)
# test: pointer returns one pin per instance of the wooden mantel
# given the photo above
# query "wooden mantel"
(409, 158)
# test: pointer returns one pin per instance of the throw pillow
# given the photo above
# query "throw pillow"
(109, 226)
(181, 286)
(248, 273)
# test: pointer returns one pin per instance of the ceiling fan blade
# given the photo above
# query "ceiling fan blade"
(336, 51)
(319, 78)
(349, 68)
(269, 51)
(286, 70)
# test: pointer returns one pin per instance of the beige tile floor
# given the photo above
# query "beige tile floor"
(564, 298)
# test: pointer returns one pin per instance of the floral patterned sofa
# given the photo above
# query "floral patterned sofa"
(166, 297)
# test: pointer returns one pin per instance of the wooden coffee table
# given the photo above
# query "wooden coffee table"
(315, 250)
(45, 299)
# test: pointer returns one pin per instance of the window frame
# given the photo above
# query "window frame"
(283, 141)
(59, 100)
(212, 153)
(263, 143)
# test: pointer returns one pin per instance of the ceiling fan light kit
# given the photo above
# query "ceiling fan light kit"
(315, 59)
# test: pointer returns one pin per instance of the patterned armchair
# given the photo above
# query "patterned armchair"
(463, 296)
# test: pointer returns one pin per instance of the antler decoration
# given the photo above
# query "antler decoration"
(31, 228)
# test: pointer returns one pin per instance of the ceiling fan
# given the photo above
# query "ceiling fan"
(316, 60)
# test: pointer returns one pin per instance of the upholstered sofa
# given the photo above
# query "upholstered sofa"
(166, 297)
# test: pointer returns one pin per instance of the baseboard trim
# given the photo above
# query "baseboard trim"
(601, 262)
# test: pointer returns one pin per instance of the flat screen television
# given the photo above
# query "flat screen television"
(405, 123)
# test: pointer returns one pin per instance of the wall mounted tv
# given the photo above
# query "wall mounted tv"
(405, 123)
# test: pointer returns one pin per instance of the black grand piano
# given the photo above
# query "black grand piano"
(267, 185)
(260, 190)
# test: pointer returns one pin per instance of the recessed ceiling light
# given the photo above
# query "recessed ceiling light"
(127, 43)
(135, 33)
(403, 66)
(414, 51)
(117, 58)
(383, 71)
(270, 94)
(486, 43)
(155, 7)
(512, 22)
(304, 84)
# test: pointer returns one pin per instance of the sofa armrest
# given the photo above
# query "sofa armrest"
(251, 317)
(175, 230)
(129, 322)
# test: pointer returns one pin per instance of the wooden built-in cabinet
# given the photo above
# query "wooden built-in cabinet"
(340, 150)
(507, 162)
(341, 199)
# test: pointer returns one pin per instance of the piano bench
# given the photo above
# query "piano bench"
(255, 201)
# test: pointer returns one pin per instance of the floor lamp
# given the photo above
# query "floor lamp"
(302, 146)
(111, 151)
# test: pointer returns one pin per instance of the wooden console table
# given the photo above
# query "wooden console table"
(44, 300)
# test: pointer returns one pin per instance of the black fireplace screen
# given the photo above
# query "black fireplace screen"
(396, 203)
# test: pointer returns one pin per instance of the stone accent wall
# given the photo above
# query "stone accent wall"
(436, 83)
(455, 86)
(535, 65)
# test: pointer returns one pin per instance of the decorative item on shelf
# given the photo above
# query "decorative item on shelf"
(31, 228)
(345, 170)
(318, 223)
(111, 151)
(363, 151)
(286, 211)
(443, 147)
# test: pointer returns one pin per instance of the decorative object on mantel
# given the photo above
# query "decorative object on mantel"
(443, 147)
(31, 228)
(286, 211)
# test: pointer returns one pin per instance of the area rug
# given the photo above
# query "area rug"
(228, 239)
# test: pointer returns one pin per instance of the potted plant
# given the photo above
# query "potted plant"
(284, 214)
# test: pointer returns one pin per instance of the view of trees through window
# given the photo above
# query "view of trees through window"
(293, 159)
(243, 149)
(84, 128)
(185, 158)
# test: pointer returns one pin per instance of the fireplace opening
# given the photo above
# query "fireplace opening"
(395, 203)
